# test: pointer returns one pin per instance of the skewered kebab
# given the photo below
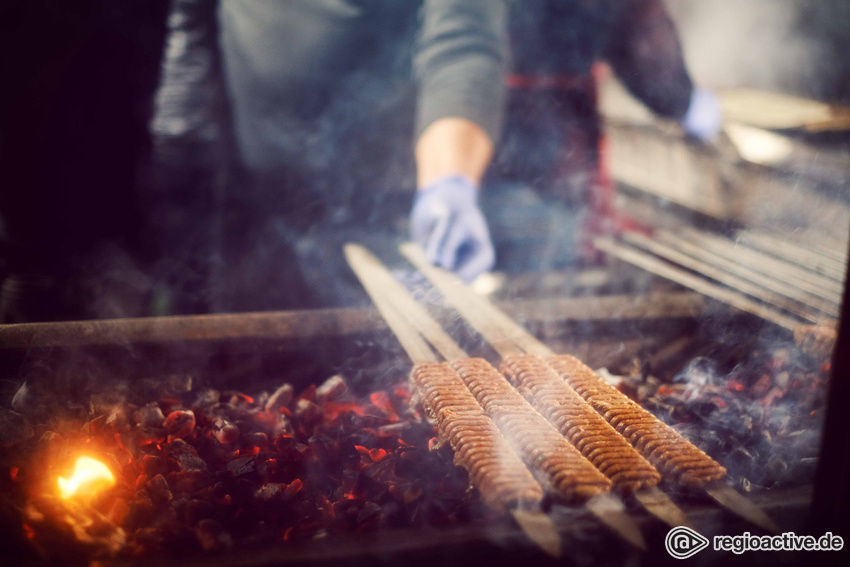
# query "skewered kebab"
(559, 467)
(677, 458)
(679, 461)
(580, 424)
(565, 472)
(479, 447)
(524, 489)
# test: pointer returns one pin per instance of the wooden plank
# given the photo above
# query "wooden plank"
(312, 324)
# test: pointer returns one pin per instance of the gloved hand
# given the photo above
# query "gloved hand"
(704, 117)
(447, 222)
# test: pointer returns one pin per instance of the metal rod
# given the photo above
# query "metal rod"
(363, 264)
(781, 287)
(503, 334)
(659, 268)
(793, 252)
(719, 275)
(774, 267)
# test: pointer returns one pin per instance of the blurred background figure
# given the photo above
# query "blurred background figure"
(320, 103)
(120, 194)
(542, 186)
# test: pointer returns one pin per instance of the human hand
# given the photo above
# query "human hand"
(704, 117)
(447, 222)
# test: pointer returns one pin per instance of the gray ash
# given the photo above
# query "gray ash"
(761, 419)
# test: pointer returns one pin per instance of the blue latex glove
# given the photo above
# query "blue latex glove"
(704, 117)
(447, 222)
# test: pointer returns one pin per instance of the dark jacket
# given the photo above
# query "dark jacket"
(636, 37)
(552, 124)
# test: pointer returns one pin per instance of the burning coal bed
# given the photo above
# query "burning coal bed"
(762, 419)
(200, 470)
(205, 471)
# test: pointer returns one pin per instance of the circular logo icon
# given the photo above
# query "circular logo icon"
(684, 542)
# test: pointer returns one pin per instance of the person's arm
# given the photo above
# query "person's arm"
(646, 54)
(459, 67)
(452, 146)
(459, 63)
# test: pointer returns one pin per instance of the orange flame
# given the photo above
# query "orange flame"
(89, 477)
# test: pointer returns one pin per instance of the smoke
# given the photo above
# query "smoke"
(766, 44)
(761, 419)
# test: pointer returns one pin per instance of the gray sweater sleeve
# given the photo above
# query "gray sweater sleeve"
(459, 63)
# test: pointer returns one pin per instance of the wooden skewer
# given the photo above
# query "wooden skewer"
(727, 497)
(411, 341)
(537, 526)
(407, 315)
(817, 340)
(492, 322)
(507, 337)
(606, 507)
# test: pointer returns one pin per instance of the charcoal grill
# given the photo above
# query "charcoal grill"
(622, 319)
(615, 327)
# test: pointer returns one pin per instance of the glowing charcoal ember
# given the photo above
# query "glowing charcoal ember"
(243, 465)
(225, 431)
(89, 477)
(294, 488)
(762, 418)
(180, 424)
(158, 489)
(153, 465)
(212, 536)
(281, 397)
(308, 413)
(331, 389)
(269, 484)
(382, 401)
